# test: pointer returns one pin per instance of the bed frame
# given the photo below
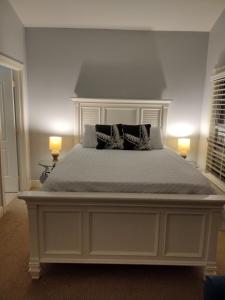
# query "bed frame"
(122, 228)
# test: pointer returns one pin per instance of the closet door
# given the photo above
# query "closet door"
(8, 143)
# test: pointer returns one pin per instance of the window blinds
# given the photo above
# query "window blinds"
(215, 163)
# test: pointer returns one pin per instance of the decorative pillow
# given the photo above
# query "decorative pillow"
(109, 136)
(156, 138)
(90, 138)
(137, 137)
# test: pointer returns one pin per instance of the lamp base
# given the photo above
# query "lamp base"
(55, 156)
(183, 155)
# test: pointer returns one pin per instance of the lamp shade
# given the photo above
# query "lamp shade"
(55, 144)
(183, 146)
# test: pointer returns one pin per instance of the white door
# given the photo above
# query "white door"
(8, 143)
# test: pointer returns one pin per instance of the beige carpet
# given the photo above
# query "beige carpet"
(94, 282)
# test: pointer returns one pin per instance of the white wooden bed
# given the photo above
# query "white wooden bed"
(122, 228)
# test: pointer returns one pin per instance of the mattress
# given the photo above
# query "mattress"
(156, 171)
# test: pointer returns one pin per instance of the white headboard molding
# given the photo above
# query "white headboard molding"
(126, 111)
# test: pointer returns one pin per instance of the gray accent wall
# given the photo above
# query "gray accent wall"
(111, 64)
(215, 59)
(12, 33)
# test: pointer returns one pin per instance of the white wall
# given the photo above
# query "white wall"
(216, 58)
(111, 64)
(12, 33)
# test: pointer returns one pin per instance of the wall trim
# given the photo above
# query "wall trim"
(21, 112)
(8, 62)
(1, 211)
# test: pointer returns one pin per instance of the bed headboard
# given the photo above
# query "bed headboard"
(114, 111)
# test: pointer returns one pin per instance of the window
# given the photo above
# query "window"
(216, 142)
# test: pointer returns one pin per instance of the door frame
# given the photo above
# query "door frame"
(21, 113)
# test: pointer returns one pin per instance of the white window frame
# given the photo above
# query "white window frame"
(218, 75)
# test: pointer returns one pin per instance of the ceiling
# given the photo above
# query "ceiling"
(170, 15)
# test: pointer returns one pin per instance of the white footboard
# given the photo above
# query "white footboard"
(123, 228)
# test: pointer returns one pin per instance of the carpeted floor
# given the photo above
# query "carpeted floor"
(87, 282)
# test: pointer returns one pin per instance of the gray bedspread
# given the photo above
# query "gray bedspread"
(155, 171)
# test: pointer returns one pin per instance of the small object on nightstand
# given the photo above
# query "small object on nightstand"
(55, 145)
(48, 167)
(183, 146)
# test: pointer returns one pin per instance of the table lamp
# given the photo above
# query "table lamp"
(55, 145)
(183, 146)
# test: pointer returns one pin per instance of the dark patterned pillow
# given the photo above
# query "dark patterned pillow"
(109, 136)
(137, 137)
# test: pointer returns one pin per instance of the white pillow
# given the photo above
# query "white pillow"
(90, 139)
(156, 138)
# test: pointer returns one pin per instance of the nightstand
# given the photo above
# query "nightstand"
(193, 163)
(48, 167)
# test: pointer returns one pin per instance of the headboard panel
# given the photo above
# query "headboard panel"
(114, 111)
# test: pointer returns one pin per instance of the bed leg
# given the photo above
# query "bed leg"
(35, 269)
(34, 263)
(210, 269)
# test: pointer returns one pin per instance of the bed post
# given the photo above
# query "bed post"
(164, 121)
(77, 132)
(34, 263)
(215, 221)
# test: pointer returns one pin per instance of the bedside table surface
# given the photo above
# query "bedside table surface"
(47, 163)
(193, 163)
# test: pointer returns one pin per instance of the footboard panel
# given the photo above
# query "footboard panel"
(149, 230)
(60, 232)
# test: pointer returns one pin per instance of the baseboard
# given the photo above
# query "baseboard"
(35, 184)
(9, 197)
(1, 211)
